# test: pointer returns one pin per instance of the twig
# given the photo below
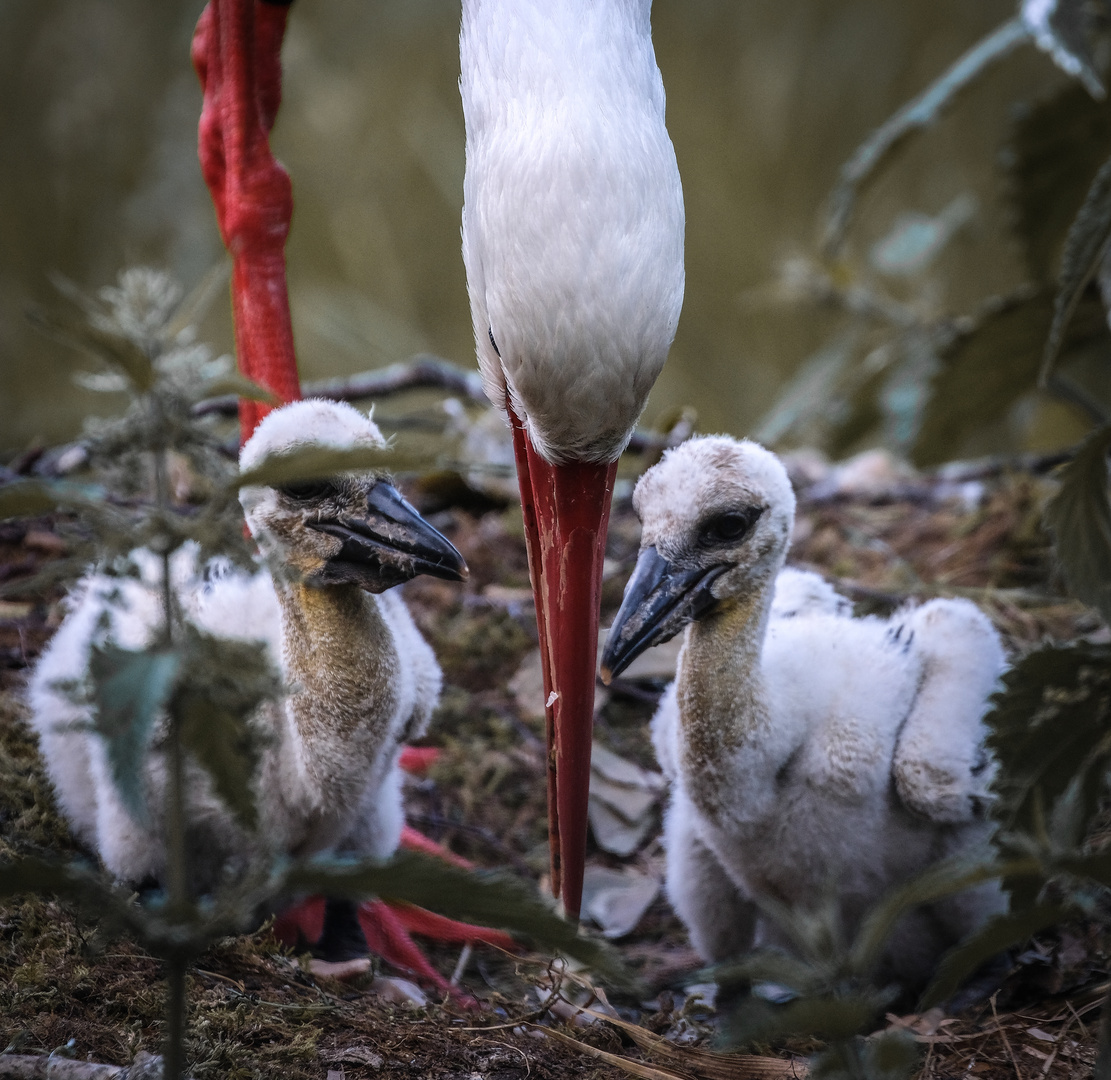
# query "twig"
(1003, 1034)
(916, 114)
(424, 370)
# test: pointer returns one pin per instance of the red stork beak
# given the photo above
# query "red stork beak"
(566, 510)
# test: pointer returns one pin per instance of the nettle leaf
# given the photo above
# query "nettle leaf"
(486, 898)
(1055, 148)
(1079, 517)
(321, 462)
(238, 384)
(987, 366)
(831, 1017)
(1085, 247)
(1050, 723)
(116, 350)
(29, 498)
(220, 690)
(935, 883)
(998, 933)
(888, 1055)
(1066, 31)
(129, 690)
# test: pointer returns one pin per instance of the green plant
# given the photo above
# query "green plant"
(205, 691)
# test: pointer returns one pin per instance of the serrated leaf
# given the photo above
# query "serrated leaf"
(224, 746)
(129, 690)
(839, 1017)
(220, 691)
(767, 965)
(238, 385)
(985, 368)
(933, 884)
(1079, 517)
(998, 933)
(1049, 724)
(1085, 247)
(1055, 148)
(319, 462)
(890, 1055)
(920, 112)
(486, 898)
(114, 349)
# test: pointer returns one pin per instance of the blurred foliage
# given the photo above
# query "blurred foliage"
(186, 693)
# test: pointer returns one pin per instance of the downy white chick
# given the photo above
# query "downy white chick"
(360, 677)
(810, 753)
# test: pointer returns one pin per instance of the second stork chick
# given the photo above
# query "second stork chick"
(810, 753)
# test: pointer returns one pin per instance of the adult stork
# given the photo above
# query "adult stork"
(573, 245)
(237, 54)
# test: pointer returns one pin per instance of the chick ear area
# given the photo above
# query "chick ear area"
(388, 544)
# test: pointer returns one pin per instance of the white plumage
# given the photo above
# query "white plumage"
(810, 753)
(361, 678)
(573, 216)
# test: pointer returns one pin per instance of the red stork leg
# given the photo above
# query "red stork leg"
(566, 511)
(237, 54)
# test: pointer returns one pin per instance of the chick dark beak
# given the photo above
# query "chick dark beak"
(659, 601)
(392, 543)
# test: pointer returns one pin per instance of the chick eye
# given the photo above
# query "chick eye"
(310, 489)
(727, 528)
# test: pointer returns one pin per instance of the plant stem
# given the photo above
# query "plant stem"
(173, 1059)
(176, 869)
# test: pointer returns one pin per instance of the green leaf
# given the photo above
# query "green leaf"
(114, 349)
(888, 1055)
(221, 688)
(918, 113)
(998, 933)
(933, 884)
(1079, 517)
(827, 1017)
(486, 898)
(1085, 246)
(1049, 724)
(239, 385)
(130, 690)
(320, 462)
(986, 367)
(29, 498)
(1054, 149)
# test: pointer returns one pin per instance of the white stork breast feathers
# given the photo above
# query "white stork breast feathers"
(573, 218)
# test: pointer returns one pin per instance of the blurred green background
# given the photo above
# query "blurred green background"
(766, 98)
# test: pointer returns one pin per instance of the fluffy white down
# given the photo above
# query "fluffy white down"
(573, 217)
(317, 788)
(811, 753)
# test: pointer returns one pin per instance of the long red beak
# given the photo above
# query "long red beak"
(566, 510)
(237, 54)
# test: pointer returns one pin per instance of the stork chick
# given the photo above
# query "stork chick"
(361, 678)
(810, 753)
